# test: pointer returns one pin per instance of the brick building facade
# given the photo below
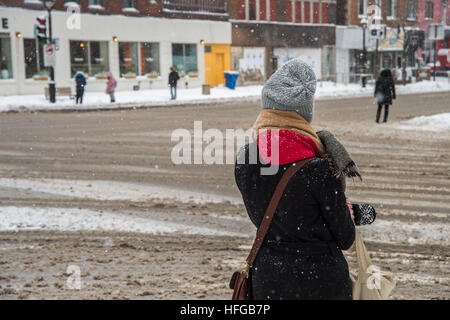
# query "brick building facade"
(267, 33)
(210, 10)
(435, 12)
(391, 13)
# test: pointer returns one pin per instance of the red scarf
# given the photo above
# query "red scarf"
(293, 147)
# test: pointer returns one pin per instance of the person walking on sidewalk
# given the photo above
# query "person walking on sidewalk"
(111, 86)
(301, 255)
(173, 80)
(80, 83)
(384, 93)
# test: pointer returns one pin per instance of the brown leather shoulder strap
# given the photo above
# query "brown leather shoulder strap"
(270, 211)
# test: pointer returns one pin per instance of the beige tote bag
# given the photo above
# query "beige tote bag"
(371, 283)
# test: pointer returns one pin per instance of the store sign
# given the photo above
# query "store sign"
(393, 40)
(49, 55)
(5, 23)
(56, 43)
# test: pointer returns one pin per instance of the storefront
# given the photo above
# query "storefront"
(312, 56)
(250, 62)
(104, 43)
(259, 49)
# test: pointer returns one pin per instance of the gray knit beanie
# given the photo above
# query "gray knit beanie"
(291, 88)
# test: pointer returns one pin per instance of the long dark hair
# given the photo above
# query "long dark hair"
(386, 73)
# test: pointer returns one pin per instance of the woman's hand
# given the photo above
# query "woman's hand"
(350, 207)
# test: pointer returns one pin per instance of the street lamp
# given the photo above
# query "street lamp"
(49, 4)
(364, 57)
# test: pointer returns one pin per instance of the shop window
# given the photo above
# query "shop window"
(252, 10)
(89, 57)
(390, 8)
(78, 57)
(362, 4)
(128, 58)
(387, 61)
(429, 10)
(99, 58)
(184, 58)
(34, 58)
(411, 59)
(5, 58)
(129, 4)
(150, 59)
(411, 10)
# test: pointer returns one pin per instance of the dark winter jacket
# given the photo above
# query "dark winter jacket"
(301, 256)
(173, 78)
(80, 81)
(385, 88)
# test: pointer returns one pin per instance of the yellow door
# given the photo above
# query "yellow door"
(220, 78)
(217, 60)
(209, 69)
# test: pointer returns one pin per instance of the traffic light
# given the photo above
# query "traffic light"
(40, 30)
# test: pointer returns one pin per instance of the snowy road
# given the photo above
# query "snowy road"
(98, 190)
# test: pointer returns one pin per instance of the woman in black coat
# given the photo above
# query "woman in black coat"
(301, 256)
(384, 92)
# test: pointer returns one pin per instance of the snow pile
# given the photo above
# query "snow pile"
(161, 97)
(112, 191)
(424, 233)
(437, 122)
(72, 219)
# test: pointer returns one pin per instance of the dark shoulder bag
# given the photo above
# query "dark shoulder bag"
(240, 280)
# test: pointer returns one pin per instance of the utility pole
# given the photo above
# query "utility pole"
(375, 65)
(435, 58)
(52, 88)
(363, 59)
(49, 4)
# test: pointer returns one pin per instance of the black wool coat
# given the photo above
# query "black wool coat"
(385, 90)
(173, 78)
(301, 256)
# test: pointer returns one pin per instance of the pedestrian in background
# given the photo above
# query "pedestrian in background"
(173, 80)
(111, 86)
(385, 93)
(80, 82)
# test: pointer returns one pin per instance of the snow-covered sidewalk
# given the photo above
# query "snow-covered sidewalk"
(161, 97)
